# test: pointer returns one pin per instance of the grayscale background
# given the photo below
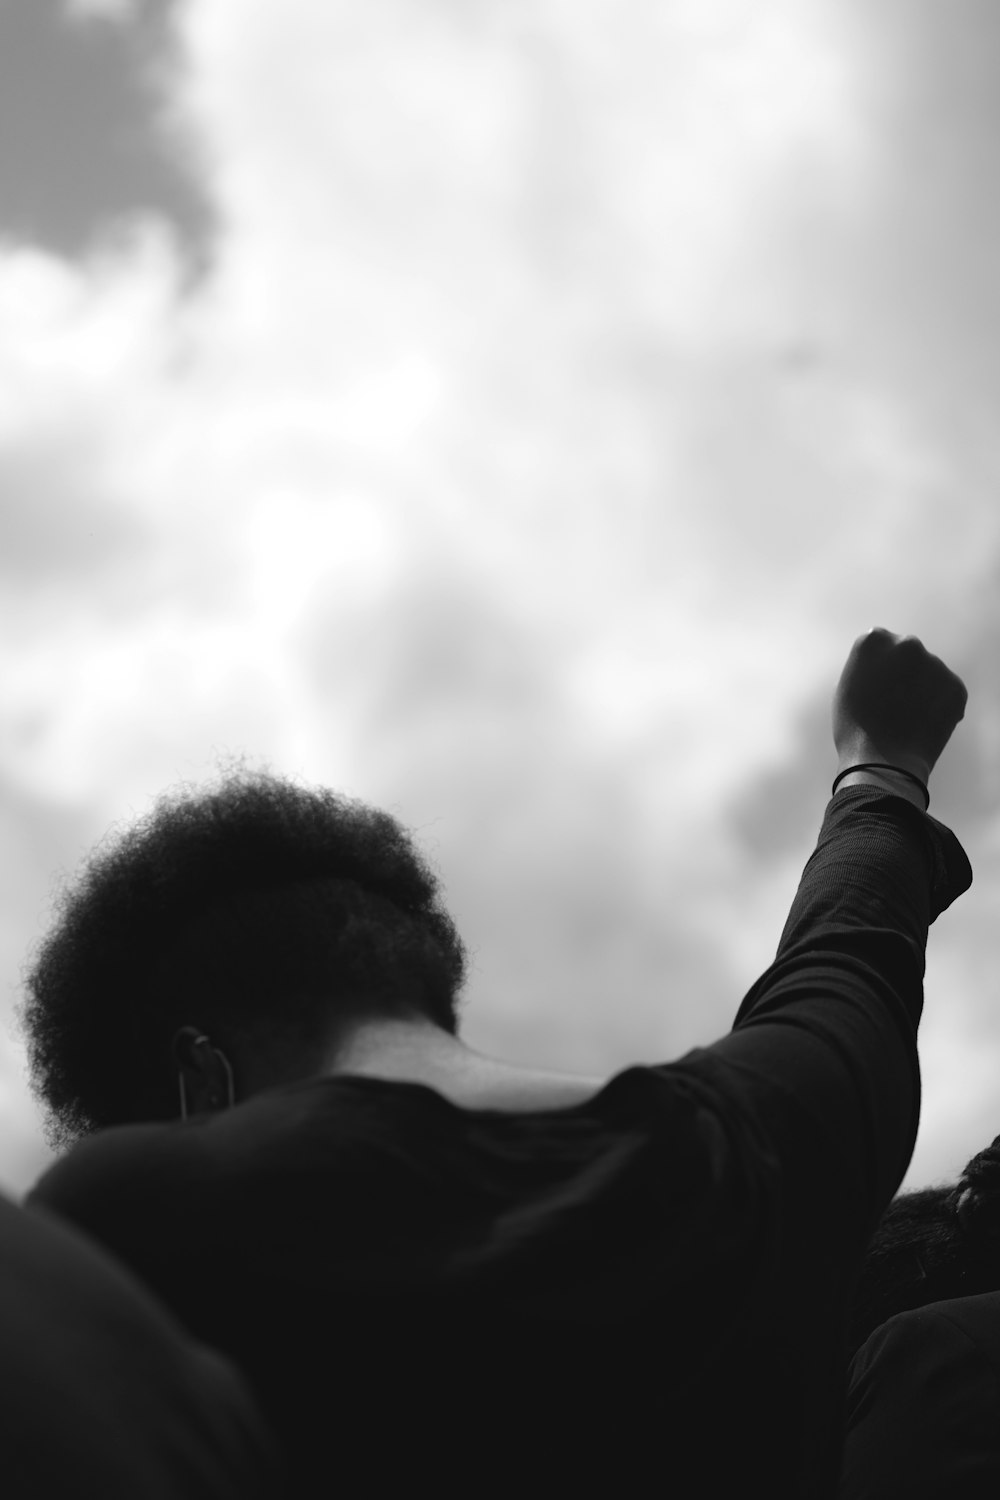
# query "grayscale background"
(508, 412)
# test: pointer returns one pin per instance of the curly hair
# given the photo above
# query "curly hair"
(256, 908)
(932, 1245)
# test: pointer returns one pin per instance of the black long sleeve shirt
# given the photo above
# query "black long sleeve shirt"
(642, 1294)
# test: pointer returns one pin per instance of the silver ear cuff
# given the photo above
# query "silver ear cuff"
(230, 1087)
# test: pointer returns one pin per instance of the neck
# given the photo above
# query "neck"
(378, 1045)
(417, 1051)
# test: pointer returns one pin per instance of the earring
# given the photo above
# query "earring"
(230, 1089)
(213, 1099)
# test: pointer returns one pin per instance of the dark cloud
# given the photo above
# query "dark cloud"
(924, 251)
(967, 779)
(83, 143)
(40, 840)
(577, 910)
(779, 809)
(55, 526)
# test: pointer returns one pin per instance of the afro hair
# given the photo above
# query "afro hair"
(932, 1245)
(257, 908)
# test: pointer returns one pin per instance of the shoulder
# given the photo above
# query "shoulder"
(921, 1406)
(931, 1370)
(976, 1320)
(957, 1330)
(95, 1172)
(922, 1400)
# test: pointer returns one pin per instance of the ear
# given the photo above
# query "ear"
(206, 1078)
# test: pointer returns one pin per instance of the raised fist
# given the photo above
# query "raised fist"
(895, 702)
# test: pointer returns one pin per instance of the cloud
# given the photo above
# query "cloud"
(40, 839)
(526, 457)
(50, 526)
(85, 139)
(104, 10)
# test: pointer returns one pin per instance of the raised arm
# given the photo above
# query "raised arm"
(822, 1058)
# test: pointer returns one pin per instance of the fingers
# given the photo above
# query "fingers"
(895, 694)
(911, 651)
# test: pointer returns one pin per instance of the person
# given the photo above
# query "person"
(105, 1397)
(438, 1269)
(923, 1405)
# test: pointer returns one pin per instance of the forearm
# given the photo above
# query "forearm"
(877, 864)
(825, 1040)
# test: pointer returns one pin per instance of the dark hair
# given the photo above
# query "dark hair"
(257, 909)
(932, 1245)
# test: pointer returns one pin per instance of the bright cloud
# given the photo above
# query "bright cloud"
(516, 464)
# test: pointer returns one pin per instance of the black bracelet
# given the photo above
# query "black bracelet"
(881, 766)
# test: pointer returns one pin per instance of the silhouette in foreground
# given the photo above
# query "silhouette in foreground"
(104, 1396)
(924, 1383)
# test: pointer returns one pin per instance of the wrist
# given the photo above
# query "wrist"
(861, 750)
(887, 780)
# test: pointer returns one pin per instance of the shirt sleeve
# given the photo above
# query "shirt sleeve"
(822, 1058)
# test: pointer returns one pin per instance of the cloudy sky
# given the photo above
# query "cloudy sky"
(509, 413)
